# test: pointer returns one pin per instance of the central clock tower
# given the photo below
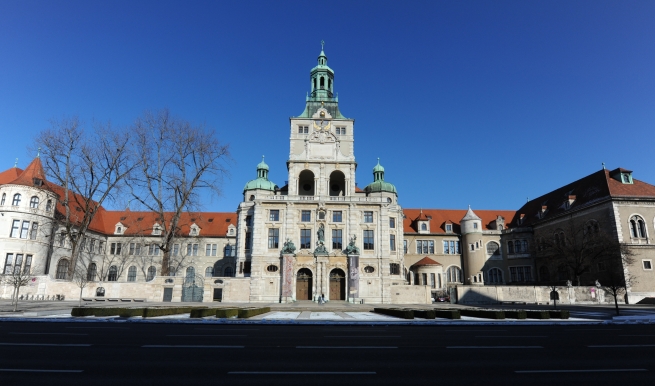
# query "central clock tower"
(321, 152)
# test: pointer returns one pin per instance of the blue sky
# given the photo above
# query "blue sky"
(473, 102)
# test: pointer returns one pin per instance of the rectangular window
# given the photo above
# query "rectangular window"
(368, 216)
(132, 249)
(248, 220)
(189, 247)
(35, 229)
(210, 249)
(520, 274)
(306, 216)
(452, 247)
(153, 250)
(248, 241)
(432, 281)
(92, 246)
(273, 238)
(62, 239)
(394, 269)
(14, 228)
(28, 264)
(101, 247)
(336, 216)
(274, 215)
(648, 264)
(457, 248)
(446, 247)
(425, 278)
(449, 227)
(194, 251)
(115, 249)
(392, 222)
(392, 242)
(8, 263)
(337, 241)
(176, 249)
(368, 240)
(303, 129)
(19, 262)
(24, 228)
(405, 246)
(305, 238)
(431, 246)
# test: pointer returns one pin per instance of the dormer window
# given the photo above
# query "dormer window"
(156, 230)
(449, 227)
(626, 178)
(37, 181)
(424, 227)
(194, 231)
(119, 229)
(622, 175)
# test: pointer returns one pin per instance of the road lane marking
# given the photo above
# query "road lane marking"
(511, 336)
(302, 372)
(186, 346)
(46, 333)
(104, 328)
(476, 330)
(598, 329)
(494, 347)
(340, 347)
(218, 329)
(621, 345)
(357, 337)
(47, 344)
(40, 371)
(577, 371)
(207, 335)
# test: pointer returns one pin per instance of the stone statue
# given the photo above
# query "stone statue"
(598, 284)
(352, 249)
(288, 247)
(568, 283)
(321, 234)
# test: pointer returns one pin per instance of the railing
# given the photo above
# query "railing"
(329, 198)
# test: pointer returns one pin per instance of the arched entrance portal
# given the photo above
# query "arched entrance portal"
(304, 285)
(193, 287)
(337, 285)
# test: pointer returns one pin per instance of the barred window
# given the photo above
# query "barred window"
(394, 269)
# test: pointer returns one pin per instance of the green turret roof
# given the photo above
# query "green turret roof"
(379, 184)
(261, 182)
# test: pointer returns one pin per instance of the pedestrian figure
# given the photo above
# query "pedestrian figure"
(323, 298)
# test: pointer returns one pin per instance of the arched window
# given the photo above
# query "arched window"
(152, 271)
(637, 227)
(314, 83)
(16, 200)
(544, 274)
(91, 272)
(48, 205)
(113, 273)
(190, 272)
(4, 197)
(493, 249)
(329, 84)
(229, 272)
(454, 275)
(131, 273)
(322, 82)
(494, 276)
(62, 269)
(424, 227)
(34, 202)
(209, 271)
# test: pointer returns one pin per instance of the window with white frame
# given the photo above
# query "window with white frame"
(454, 275)
(192, 249)
(303, 129)
(392, 242)
(369, 243)
(34, 202)
(425, 247)
(451, 247)
(637, 227)
(211, 249)
(368, 216)
(394, 269)
(273, 238)
(449, 227)
(115, 249)
(9, 261)
(15, 229)
(153, 250)
(131, 273)
(647, 264)
(405, 246)
(16, 200)
(274, 215)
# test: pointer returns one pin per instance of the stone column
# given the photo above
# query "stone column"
(287, 277)
(353, 278)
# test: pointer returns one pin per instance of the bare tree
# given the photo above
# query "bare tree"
(89, 167)
(177, 161)
(577, 247)
(17, 276)
(615, 278)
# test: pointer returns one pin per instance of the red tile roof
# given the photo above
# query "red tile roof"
(33, 170)
(425, 261)
(594, 188)
(9, 175)
(439, 217)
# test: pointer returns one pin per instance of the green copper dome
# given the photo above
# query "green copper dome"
(379, 184)
(261, 182)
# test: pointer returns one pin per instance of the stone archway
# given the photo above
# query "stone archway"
(306, 183)
(337, 284)
(304, 284)
(337, 185)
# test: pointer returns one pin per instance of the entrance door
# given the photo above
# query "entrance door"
(304, 285)
(337, 285)
(218, 294)
(192, 290)
(168, 294)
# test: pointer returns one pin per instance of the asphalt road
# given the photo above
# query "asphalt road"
(178, 354)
